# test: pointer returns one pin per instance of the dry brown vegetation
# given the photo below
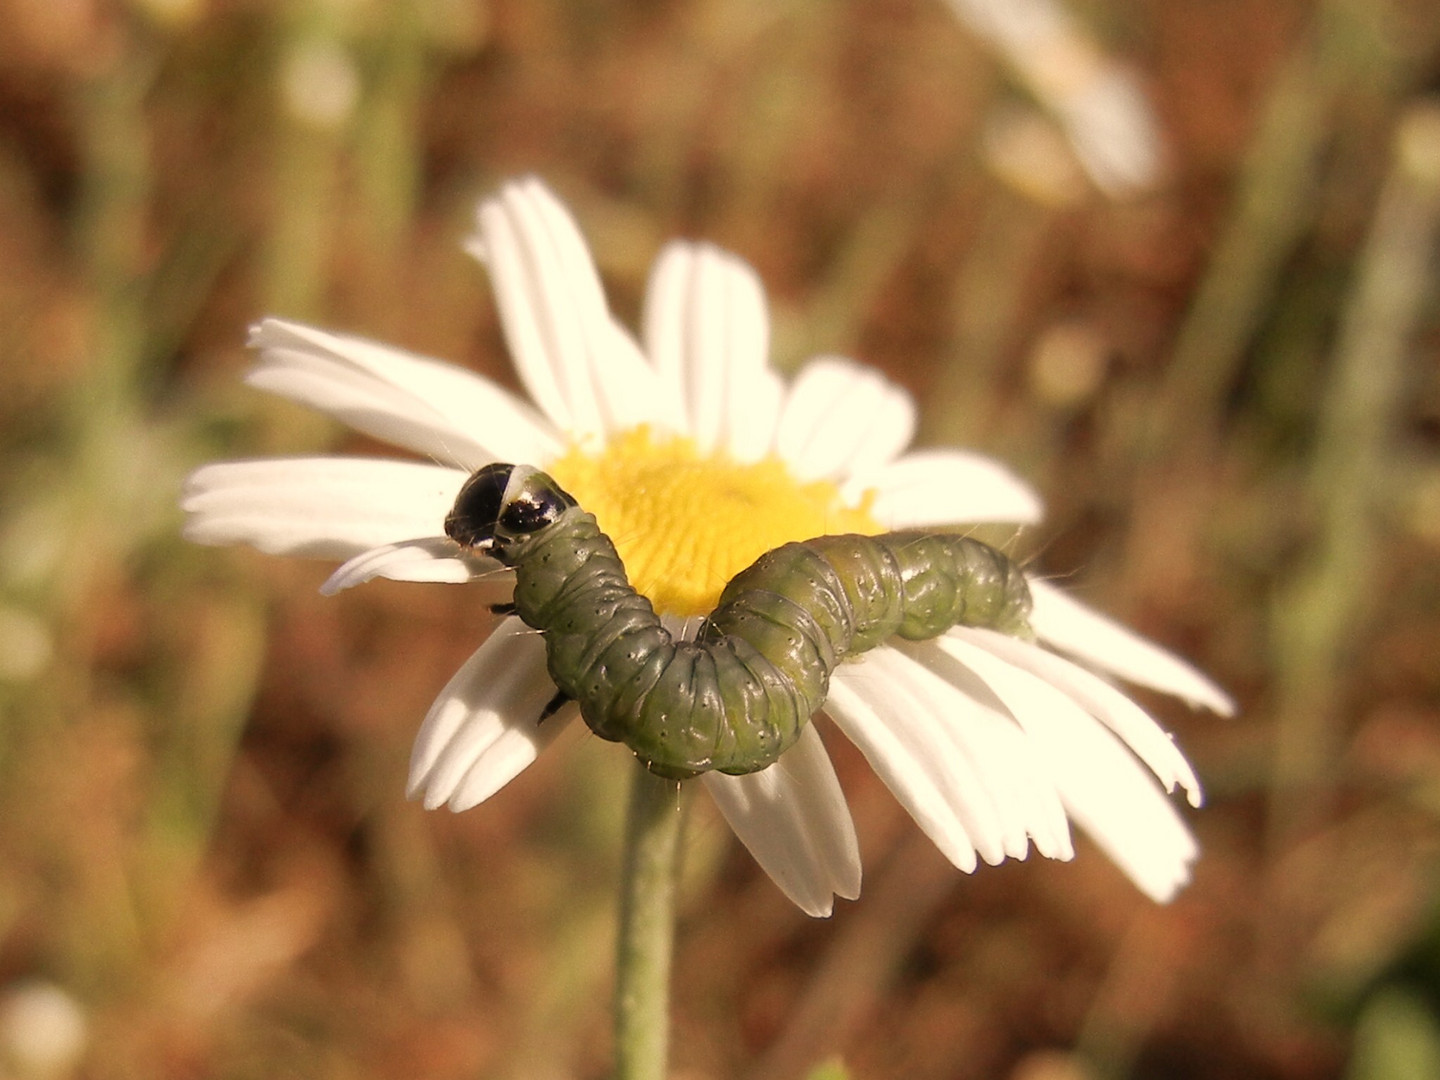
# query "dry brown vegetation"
(203, 837)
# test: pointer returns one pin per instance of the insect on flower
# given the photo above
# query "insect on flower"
(738, 696)
(698, 460)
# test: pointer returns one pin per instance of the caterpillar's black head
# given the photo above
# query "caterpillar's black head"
(502, 504)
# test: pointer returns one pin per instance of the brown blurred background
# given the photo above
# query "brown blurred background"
(1221, 372)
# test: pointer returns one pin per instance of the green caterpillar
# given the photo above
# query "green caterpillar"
(737, 697)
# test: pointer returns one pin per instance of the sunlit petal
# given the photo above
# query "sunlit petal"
(435, 409)
(430, 559)
(754, 415)
(485, 727)
(552, 305)
(1114, 133)
(707, 331)
(793, 819)
(1106, 115)
(629, 388)
(945, 487)
(1140, 732)
(1070, 626)
(888, 729)
(1105, 790)
(840, 418)
(327, 507)
(1002, 762)
(664, 334)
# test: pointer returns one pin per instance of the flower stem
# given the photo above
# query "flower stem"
(647, 927)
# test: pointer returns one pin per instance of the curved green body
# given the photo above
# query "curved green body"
(738, 696)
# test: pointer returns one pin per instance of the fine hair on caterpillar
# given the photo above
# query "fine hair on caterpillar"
(736, 697)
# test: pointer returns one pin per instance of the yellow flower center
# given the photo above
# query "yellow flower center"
(685, 523)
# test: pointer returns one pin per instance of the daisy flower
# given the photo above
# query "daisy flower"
(1099, 103)
(696, 458)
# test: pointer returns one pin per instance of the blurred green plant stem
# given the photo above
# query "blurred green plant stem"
(1319, 614)
(647, 927)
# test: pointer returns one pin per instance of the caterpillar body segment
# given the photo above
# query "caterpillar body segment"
(736, 697)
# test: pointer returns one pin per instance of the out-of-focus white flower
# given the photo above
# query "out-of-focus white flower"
(319, 83)
(696, 458)
(1097, 101)
(43, 1030)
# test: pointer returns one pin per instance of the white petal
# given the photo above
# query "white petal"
(485, 727)
(708, 333)
(630, 390)
(753, 393)
(1119, 806)
(1016, 25)
(840, 417)
(330, 507)
(496, 244)
(510, 754)
(707, 349)
(1072, 627)
(1113, 130)
(945, 487)
(884, 727)
(793, 819)
(552, 305)
(1112, 708)
(1000, 761)
(754, 416)
(1103, 787)
(1106, 115)
(705, 346)
(430, 559)
(433, 408)
(664, 325)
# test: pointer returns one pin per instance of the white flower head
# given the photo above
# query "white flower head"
(991, 743)
(1099, 103)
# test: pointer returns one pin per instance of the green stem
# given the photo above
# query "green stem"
(647, 927)
(1352, 468)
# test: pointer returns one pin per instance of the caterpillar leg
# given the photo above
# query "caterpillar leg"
(554, 705)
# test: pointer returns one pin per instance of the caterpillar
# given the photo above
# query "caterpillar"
(736, 697)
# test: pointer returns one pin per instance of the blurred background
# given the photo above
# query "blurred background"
(1175, 260)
